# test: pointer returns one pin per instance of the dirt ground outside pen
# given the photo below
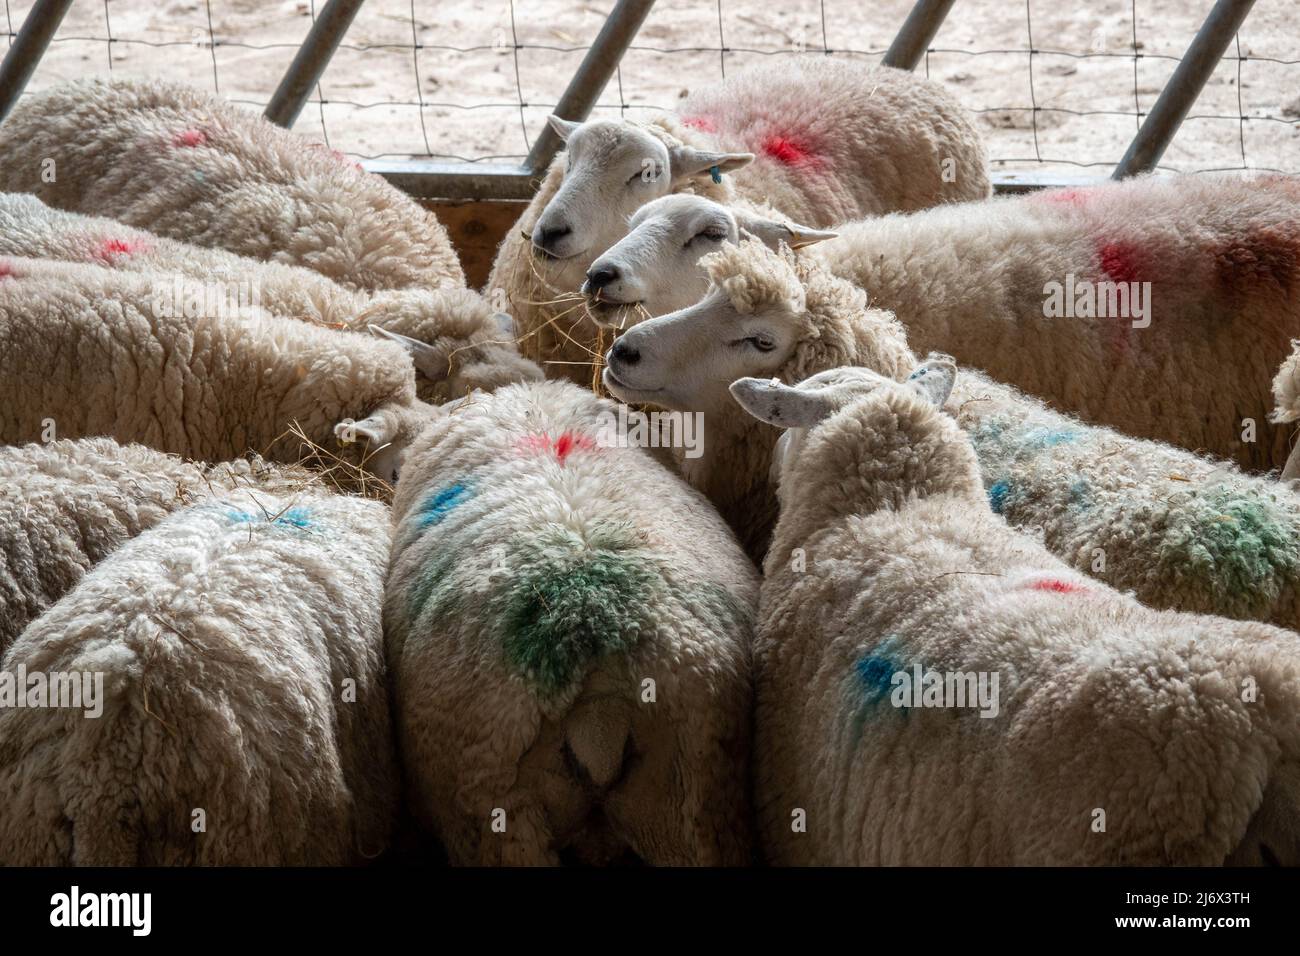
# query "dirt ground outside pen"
(487, 72)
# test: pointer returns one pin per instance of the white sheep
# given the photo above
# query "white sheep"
(568, 629)
(456, 340)
(822, 140)
(1179, 530)
(66, 505)
(935, 688)
(1191, 263)
(84, 352)
(240, 711)
(31, 229)
(187, 165)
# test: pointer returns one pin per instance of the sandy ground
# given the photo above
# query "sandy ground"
(483, 97)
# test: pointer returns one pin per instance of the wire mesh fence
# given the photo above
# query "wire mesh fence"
(1055, 85)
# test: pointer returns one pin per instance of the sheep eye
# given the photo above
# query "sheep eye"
(706, 236)
(761, 342)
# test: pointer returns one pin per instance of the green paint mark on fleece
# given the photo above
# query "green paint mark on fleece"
(1242, 543)
(574, 600)
(436, 584)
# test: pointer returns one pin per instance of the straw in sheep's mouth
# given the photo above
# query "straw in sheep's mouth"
(605, 304)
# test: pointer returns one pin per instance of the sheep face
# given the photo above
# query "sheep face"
(656, 265)
(612, 169)
(684, 361)
(751, 323)
(801, 408)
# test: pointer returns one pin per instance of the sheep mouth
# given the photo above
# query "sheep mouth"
(622, 389)
(617, 316)
(553, 257)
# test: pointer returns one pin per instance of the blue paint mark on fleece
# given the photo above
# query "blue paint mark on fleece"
(440, 503)
(998, 496)
(874, 670)
(1048, 438)
(871, 683)
(1081, 494)
(874, 673)
(297, 517)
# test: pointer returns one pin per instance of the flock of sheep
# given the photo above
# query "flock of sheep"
(361, 553)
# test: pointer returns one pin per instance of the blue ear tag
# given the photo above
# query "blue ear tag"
(716, 173)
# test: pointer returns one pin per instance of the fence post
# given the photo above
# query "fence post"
(310, 61)
(593, 74)
(916, 33)
(1176, 99)
(29, 46)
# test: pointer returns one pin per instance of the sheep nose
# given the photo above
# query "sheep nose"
(625, 353)
(551, 236)
(597, 279)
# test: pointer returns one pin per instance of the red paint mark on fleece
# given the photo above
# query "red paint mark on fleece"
(1057, 586)
(702, 123)
(190, 138)
(563, 446)
(1122, 262)
(789, 151)
(6, 270)
(111, 248)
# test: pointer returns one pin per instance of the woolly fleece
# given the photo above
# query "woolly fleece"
(187, 165)
(80, 345)
(66, 505)
(1103, 703)
(1222, 255)
(227, 636)
(539, 578)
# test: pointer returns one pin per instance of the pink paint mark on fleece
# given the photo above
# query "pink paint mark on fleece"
(789, 151)
(190, 138)
(702, 123)
(112, 249)
(1067, 197)
(7, 270)
(1057, 586)
(339, 156)
(563, 446)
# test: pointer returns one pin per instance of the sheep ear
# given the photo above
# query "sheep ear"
(429, 361)
(785, 406)
(687, 161)
(1291, 470)
(772, 233)
(933, 379)
(563, 128)
(375, 429)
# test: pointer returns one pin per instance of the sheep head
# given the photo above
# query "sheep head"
(612, 167)
(767, 314)
(888, 439)
(655, 268)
